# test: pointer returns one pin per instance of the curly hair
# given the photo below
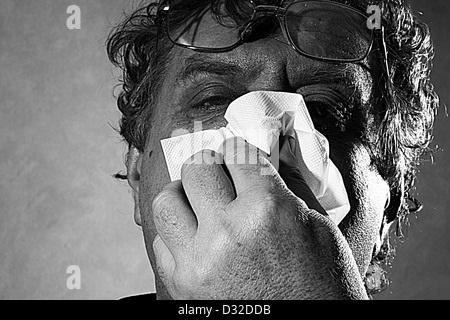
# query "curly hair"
(406, 106)
(408, 100)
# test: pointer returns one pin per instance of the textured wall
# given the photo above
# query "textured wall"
(59, 205)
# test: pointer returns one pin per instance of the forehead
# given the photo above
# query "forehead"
(251, 59)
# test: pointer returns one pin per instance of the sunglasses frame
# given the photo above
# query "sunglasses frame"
(280, 13)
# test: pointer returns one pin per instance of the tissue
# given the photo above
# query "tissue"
(260, 117)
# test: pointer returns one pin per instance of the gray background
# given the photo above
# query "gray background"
(59, 205)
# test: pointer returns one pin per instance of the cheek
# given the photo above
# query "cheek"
(368, 194)
(154, 177)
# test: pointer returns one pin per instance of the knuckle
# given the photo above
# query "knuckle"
(271, 211)
(169, 192)
(189, 172)
(268, 207)
(160, 202)
(162, 205)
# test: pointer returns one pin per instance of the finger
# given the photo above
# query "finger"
(292, 176)
(247, 166)
(207, 186)
(173, 217)
(165, 262)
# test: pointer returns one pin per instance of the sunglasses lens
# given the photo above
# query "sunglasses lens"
(328, 31)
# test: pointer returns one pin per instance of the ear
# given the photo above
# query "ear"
(134, 162)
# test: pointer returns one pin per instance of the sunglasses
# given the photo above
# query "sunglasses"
(324, 30)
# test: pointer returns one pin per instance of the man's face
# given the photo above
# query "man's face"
(199, 87)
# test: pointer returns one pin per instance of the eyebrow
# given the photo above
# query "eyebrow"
(199, 64)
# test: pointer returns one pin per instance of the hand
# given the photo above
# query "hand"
(228, 232)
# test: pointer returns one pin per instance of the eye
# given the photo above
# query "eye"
(330, 109)
(212, 103)
(327, 118)
(209, 101)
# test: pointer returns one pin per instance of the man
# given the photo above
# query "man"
(224, 231)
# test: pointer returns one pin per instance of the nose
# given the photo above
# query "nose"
(272, 75)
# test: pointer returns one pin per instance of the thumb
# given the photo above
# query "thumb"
(290, 173)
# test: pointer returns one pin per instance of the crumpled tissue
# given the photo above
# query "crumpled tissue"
(260, 118)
